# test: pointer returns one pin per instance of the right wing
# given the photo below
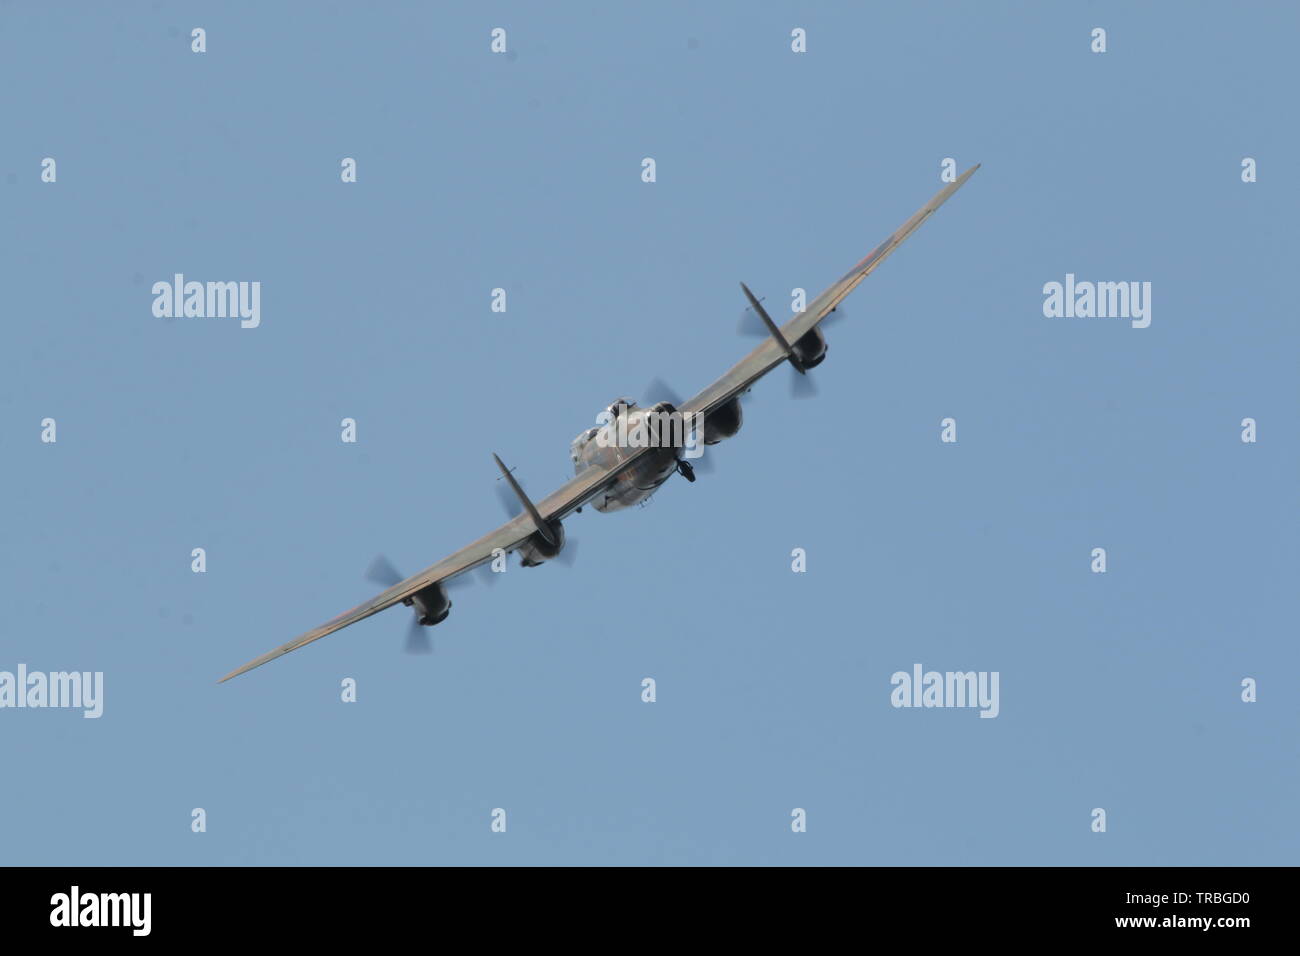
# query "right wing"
(770, 354)
(508, 537)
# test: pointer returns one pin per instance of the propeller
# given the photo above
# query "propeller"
(802, 385)
(513, 507)
(658, 390)
(568, 553)
(418, 640)
(752, 325)
(381, 571)
(509, 503)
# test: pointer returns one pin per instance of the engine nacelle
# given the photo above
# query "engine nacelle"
(723, 422)
(536, 549)
(431, 604)
(810, 348)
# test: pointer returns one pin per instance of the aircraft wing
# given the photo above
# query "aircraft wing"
(770, 354)
(508, 537)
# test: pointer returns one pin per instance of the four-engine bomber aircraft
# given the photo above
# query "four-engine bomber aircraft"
(610, 475)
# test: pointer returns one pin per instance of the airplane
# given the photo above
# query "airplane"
(612, 475)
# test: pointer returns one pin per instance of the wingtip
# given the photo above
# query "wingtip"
(247, 667)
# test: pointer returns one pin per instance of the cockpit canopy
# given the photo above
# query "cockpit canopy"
(613, 406)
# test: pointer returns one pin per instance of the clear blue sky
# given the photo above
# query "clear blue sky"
(476, 171)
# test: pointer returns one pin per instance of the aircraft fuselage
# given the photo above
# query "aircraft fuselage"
(639, 480)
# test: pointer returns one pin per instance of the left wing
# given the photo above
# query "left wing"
(508, 537)
(770, 354)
